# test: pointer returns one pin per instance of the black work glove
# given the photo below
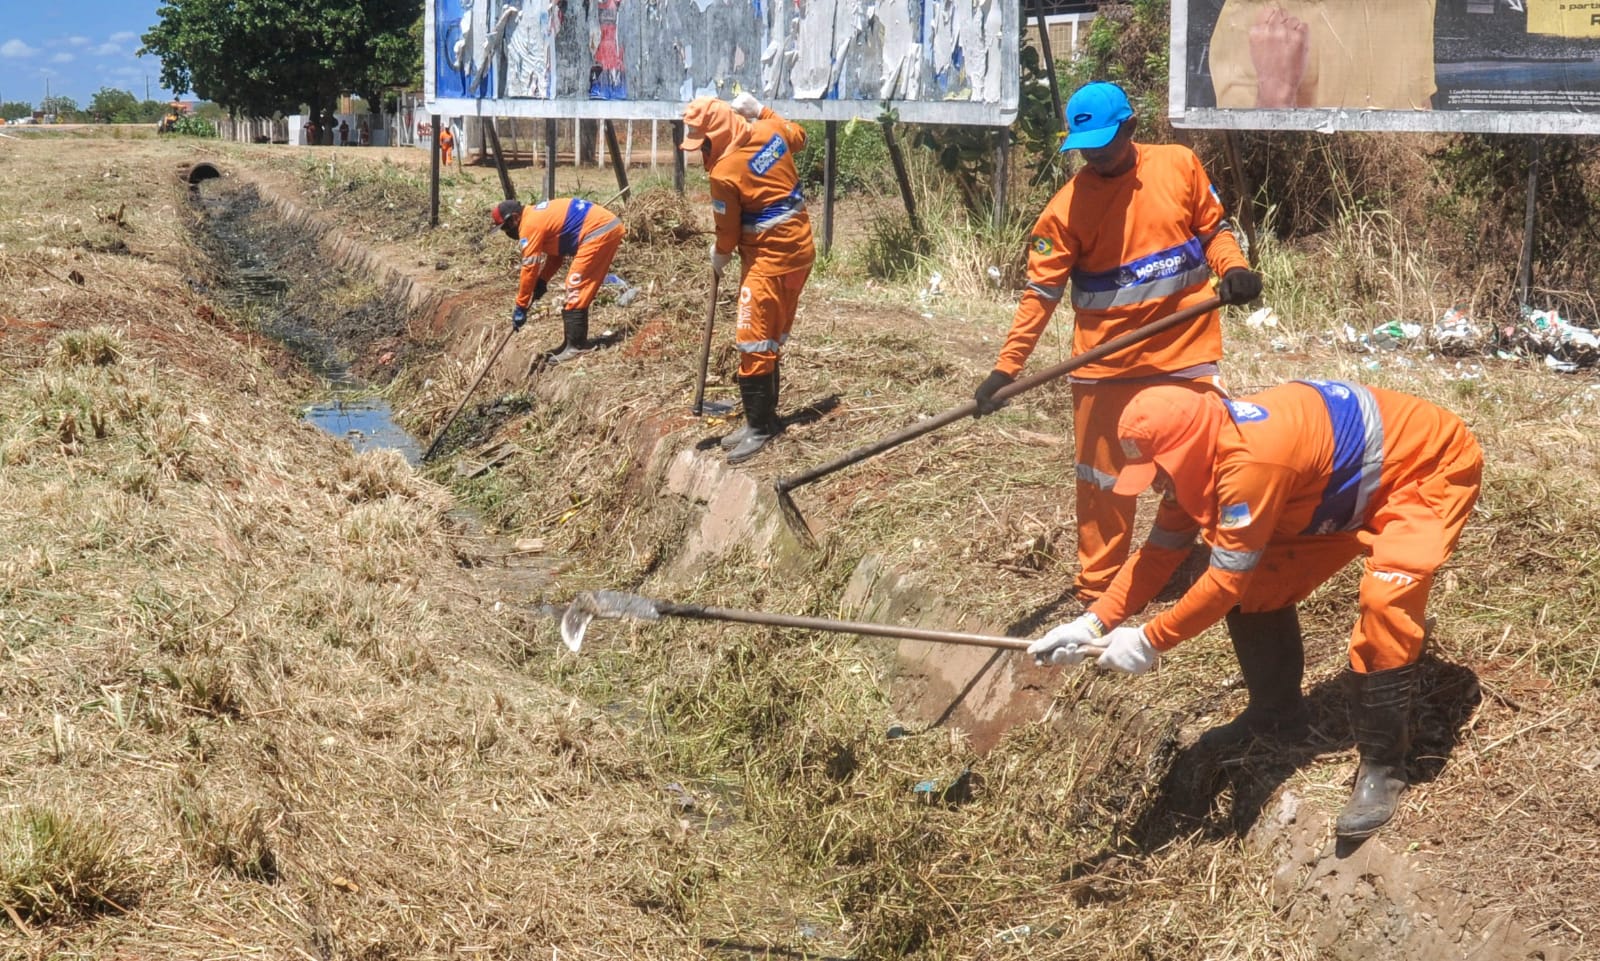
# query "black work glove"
(984, 395)
(539, 288)
(1239, 286)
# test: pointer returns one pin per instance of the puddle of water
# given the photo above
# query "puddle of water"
(367, 423)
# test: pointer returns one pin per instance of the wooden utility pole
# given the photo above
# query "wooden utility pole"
(433, 186)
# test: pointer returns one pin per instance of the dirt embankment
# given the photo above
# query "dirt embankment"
(269, 698)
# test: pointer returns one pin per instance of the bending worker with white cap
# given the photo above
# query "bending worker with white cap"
(758, 208)
(1135, 236)
(1287, 487)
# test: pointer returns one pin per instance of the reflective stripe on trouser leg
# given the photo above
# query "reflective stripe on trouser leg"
(588, 269)
(767, 305)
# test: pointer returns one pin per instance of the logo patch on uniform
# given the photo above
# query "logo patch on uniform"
(1043, 246)
(1244, 412)
(1214, 195)
(1234, 516)
(522, 242)
(767, 157)
(719, 207)
(541, 205)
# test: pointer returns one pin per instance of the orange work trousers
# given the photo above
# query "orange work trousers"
(1105, 520)
(1410, 534)
(767, 305)
(591, 263)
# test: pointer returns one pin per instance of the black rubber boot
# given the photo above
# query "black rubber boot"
(760, 415)
(575, 323)
(737, 436)
(1381, 716)
(1272, 658)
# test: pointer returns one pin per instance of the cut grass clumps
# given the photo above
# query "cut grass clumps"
(57, 868)
(234, 841)
(96, 347)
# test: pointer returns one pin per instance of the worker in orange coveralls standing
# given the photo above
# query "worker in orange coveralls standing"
(547, 234)
(759, 210)
(1135, 236)
(1287, 487)
(447, 144)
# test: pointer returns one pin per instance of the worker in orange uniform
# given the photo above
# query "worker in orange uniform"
(1287, 487)
(447, 144)
(547, 235)
(758, 209)
(1135, 236)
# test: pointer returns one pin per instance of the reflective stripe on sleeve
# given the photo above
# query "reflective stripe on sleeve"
(1225, 560)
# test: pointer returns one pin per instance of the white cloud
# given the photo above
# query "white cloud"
(77, 41)
(15, 49)
(109, 50)
(62, 58)
(125, 36)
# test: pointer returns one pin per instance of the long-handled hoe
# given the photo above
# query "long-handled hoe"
(428, 454)
(700, 406)
(784, 485)
(612, 605)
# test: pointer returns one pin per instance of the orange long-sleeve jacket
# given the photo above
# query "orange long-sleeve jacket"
(1303, 459)
(1131, 249)
(550, 232)
(756, 199)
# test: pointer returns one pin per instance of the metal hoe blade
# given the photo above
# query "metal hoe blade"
(611, 605)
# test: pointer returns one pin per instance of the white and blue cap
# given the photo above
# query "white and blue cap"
(1094, 114)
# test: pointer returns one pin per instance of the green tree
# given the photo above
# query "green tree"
(261, 57)
(113, 105)
(65, 108)
(13, 109)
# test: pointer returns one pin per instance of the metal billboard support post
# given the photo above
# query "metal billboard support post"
(499, 160)
(900, 175)
(433, 179)
(549, 158)
(830, 163)
(1002, 173)
(677, 157)
(1049, 63)
(617, 163)
(1529, 220)
(1247, 204)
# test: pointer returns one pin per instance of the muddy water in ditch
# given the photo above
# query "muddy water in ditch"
(278, 277)
(329, 318)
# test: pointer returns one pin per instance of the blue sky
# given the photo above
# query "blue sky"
(78, 48)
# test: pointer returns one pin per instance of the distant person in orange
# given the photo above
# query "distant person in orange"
(344, 133)
(1133, 237)
(1287, 487)
(310, 130)
(547, 234)
(759, 210)
(364, 133)
(447, 144)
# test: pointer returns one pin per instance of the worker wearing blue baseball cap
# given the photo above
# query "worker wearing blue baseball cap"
(1134, 236)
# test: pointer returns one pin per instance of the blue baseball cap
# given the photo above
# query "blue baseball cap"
(1093, 115)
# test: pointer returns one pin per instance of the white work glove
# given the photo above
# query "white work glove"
(746, 106)
(1128, 651)
(1066, 642)
(719, 262)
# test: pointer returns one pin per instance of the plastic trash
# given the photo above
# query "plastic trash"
(1393, 335)
(1265, 317)
(1455, 333)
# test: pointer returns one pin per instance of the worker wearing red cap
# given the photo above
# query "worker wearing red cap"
(547, 234)
(759, 210)
(1133, 237)
(1287, 487)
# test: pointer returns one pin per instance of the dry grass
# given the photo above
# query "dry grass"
(263, 660)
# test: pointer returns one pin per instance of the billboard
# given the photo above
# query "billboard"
(933, 61)
(1490, 66)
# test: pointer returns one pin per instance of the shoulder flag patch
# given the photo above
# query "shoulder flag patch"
(1244, 412)
(719, 207)
(1234, 516)
(1043, 246)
